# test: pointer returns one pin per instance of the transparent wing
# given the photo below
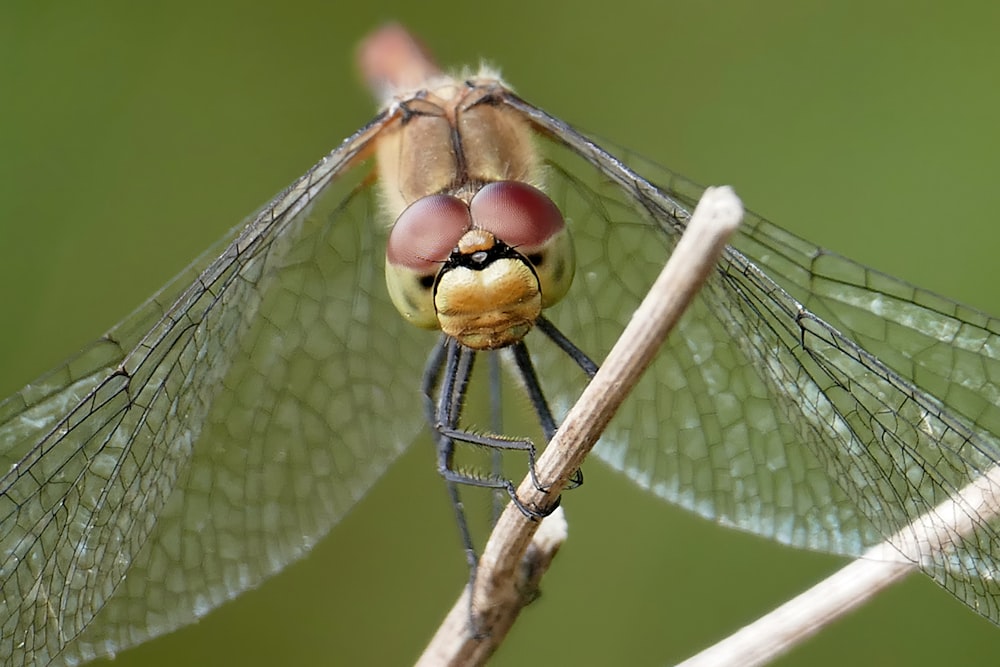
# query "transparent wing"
(211, 437)
(803, 397)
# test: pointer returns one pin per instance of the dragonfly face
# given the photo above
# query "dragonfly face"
(758, 414)
(480, 271)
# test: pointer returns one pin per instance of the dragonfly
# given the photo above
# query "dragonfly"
(225, 426)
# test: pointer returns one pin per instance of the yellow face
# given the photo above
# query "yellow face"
(488, 296)
(480, 272)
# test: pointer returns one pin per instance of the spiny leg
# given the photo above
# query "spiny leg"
(581, 359)
(454, 380)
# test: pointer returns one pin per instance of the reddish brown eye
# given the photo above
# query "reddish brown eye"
(516, 213)
(426, 233)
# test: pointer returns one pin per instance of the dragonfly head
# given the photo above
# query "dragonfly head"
(481, 272)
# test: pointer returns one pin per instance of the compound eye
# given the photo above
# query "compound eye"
(518, 214)
(426, 232)
(423, 237)
(526, 219)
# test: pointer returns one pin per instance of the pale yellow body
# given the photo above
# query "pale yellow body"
(454, 145)
(447, 138)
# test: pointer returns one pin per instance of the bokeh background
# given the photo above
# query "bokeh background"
(132, 136)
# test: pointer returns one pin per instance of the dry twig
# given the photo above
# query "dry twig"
(507, 577)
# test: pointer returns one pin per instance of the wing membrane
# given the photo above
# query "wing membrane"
(210, 438)
(229, 423)
(803, 397)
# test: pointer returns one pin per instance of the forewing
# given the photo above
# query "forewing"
(803, 397)
(213, 436)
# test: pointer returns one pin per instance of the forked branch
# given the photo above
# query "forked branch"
(853, 585)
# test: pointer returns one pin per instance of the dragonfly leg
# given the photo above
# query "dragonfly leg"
(579, 357)
(541, 406)
(450, 366)
(446, 450)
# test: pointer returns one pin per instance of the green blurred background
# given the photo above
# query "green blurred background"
(131, 137)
